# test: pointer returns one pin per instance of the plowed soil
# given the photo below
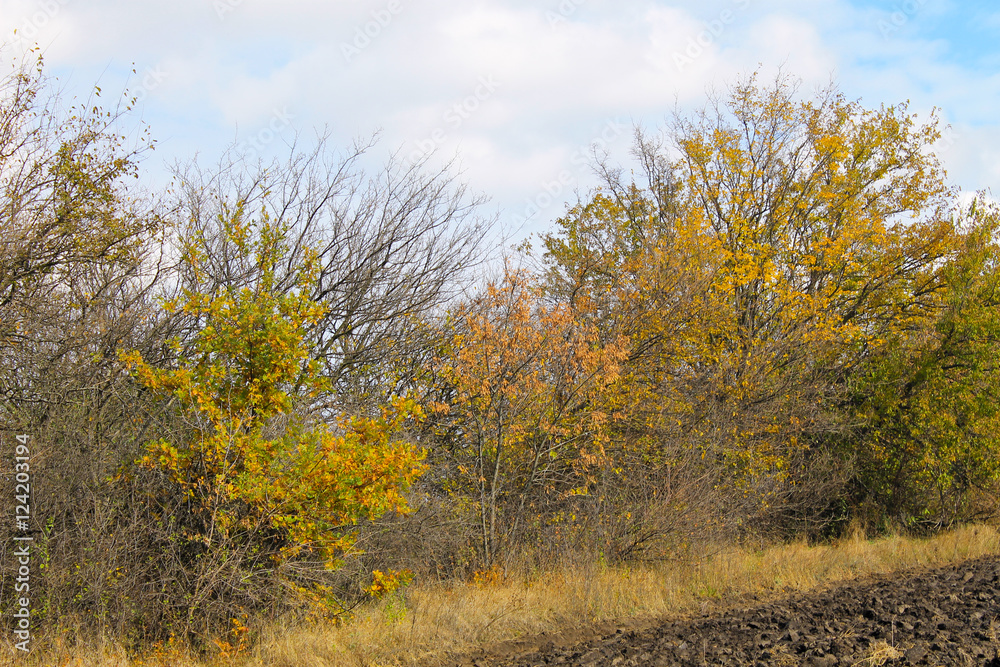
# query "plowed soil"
(944, 616)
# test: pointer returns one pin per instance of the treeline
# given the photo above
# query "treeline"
(273, 391)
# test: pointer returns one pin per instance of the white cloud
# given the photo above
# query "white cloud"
(565, 67)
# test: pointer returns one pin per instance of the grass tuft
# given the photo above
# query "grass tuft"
(880, 653)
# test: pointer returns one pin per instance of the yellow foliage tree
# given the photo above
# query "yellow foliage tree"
(777, 245)
(255, 489)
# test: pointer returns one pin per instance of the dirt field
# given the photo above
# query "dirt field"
(945, 616)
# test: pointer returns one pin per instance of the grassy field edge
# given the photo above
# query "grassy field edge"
(430, 623)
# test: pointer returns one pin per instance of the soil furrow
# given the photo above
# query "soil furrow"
(944, 616)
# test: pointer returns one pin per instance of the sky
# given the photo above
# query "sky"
(515, 95)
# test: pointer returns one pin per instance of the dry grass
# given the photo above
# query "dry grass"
(879, 654)
(430, 621)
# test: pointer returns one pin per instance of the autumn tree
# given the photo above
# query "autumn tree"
(927, 445)
(63, 177)
(518, 412)
(776, 244)
(390, 246)
(78, 263)
(72, 230)
(253, 492)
